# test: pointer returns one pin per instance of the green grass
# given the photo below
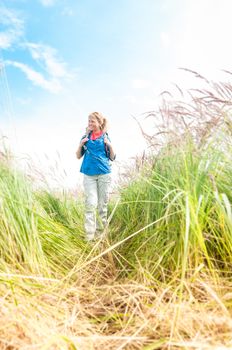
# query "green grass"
(180, 191)
(160, 279)
(39, 232)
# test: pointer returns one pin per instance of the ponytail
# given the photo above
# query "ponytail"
(104, 124)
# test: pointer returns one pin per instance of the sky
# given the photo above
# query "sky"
(60, 60)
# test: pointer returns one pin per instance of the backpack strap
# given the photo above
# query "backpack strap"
(107, 148)
(105, 134)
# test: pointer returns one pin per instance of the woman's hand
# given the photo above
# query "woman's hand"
(107, 141)
(79, 153)
(83, 141)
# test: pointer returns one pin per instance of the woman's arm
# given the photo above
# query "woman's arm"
(79, 153)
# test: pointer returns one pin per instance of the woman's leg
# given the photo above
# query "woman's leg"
(104, 182)
(91, 200)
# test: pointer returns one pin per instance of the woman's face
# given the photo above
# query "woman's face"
(93, 124)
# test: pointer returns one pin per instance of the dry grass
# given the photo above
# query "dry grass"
(97, 311)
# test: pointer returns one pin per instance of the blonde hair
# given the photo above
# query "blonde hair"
(101, 120)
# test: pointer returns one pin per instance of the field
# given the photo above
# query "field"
(161, 276)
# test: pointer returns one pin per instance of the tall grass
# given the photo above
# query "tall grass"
(180, 193)
(184, 189)
(39, 232)
(161, 278)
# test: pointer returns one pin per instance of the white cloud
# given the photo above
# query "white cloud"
(51, 68)
(47, 57)
(48, 2)
(6, 40)
(165, 39)
(201, 41)
(53, 85)
(67, 11)
(196, 38)
(141, 83)
(13, 28)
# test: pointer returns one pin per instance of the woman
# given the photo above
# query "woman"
(97, 150)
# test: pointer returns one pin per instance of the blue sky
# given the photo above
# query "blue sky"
(64, 59)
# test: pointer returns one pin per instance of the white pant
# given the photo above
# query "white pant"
(96, 197)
